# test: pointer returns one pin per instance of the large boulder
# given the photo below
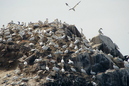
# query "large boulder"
(105, 44)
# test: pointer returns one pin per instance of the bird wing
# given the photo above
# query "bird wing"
(67, 4)
(76, 4)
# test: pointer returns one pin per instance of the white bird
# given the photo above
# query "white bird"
(100, 32)
(55, 68)
(94, 83)
(77, 51)
(31, 44)
(83, 71)
(76, 47)
(93, 73)
(76, 41)
(71, 44)
(128, 60)
(69, 38)
(64, 46)
(56, 45)
(32, 38)
(46, 22)
(49, 79)
(62, 70)
(50, 55)
(110, 56)
(73, 8)
(52, 61)
(47, 68)
(1, 39)
(73, 69)
(9, 39)
(126, 64)
(115, 67)
(41, 43)
(45, 47)
(38, 60)
(25, 63)
(62, 60)
(70, 62)
(66, 51)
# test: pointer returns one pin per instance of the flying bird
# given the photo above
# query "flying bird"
(73, 8)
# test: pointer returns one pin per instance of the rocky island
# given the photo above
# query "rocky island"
(57, 54)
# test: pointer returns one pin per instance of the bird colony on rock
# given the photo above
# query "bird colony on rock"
(45, 52)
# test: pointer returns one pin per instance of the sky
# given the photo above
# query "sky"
(90, 15)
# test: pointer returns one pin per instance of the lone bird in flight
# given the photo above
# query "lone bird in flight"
(73, 8)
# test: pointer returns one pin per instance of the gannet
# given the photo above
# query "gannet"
(62, 70)
(9, 39)
(69, 38)
(64, 46)
(25, 63)
(73, 69)
(46, 22)
(41, 43)
(115, 67)
(45, 47)
(49, 79)
(91, 72)
(31, 44)
(93, 83)
(82, 70)
(100, 32)
(66, 51)
(50, 55)
(55, 68)
(126, 64)
(76, 47)
(38, 60)
(71, 44)
(70, 62)
(47, 68)
(62, 60)
(73, 8)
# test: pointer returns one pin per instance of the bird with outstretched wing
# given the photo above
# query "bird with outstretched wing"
(73, 8)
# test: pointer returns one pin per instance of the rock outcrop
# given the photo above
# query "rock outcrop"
(57, 54)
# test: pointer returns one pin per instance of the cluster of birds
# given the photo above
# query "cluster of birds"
(57, 47)
(59, 50)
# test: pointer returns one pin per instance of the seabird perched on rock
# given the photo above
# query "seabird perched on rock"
(82, 70)
(62, 60)
(115, 67)
(100, 32)
(91, 72)
(70, 62)
(47, 68)
(126, 64)
(55, 68)
(62, 70)
(46, 22)
(49, 79)
(73, 8)
(73, 69)
(93, 83)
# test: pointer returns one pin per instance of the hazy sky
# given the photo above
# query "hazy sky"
(111, 15)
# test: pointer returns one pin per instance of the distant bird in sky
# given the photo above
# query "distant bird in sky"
(73, 8)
